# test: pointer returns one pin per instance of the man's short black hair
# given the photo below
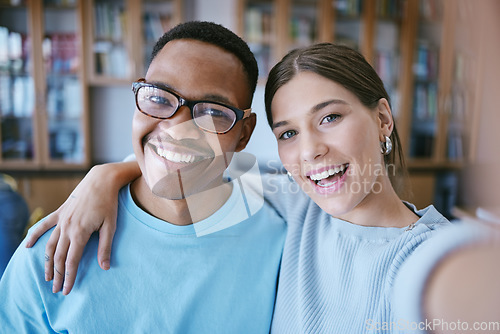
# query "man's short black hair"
(217, 35)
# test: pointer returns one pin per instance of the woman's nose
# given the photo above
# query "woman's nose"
(312, 147)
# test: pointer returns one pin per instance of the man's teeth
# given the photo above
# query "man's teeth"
(175, 157)
(327, 173)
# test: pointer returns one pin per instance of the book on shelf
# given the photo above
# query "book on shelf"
(17, 96)
(349, 8)
(17, 138)
(109, 21)
(4, 49)
(430, 10)
(63, 3)
(23, 96)
(258, 25)
(426, 65)
(60, 53)
(64, 143)
(64, 99)
(460, 95)
(72, 97)
(155, 25)
(15, 51)
(455, 146)
(302, 30)
(421, 145)
(425, 101)
(111, 59)
(15, 47)
(387, 66)
(390, 8)
(5, 94)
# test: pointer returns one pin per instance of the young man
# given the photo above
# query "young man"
(195, 253)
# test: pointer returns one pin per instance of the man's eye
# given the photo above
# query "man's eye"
(213, 112)
(157, 99)
(160, 100)
(330, 118)
(287, 134)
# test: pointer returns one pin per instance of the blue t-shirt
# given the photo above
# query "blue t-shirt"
(215, 276)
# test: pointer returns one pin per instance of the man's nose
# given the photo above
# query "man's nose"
(181, 125)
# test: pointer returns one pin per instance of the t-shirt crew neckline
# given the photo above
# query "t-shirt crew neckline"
(382, 233)
(166, 227)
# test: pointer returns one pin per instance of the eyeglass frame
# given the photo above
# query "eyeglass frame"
(139, 83)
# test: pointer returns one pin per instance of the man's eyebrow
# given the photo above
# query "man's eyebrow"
(161, 85)
(207, 97)
(313, 110)
(217, 98)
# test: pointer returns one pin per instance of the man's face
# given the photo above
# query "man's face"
(177, 159)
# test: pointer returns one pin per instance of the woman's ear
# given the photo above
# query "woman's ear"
(246, 131)
(386, 122)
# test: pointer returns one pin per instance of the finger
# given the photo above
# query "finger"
(106, 234)
(50, 250)
(59, 263)
(42, 227)
(74, 256)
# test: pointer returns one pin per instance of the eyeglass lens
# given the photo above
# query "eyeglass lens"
(159, 103)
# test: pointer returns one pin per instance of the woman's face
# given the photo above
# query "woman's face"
(330, 142)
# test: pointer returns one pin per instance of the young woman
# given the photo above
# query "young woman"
(336, 137)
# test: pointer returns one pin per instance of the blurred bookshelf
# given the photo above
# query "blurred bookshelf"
(50, 63)
(43, 98)
(119, 27)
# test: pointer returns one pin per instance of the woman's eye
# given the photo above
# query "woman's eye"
(287, 134)
(329, 118)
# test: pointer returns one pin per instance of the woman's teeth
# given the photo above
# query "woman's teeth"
(327, 173)
(175, 157)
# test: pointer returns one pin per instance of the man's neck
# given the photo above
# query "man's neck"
(184, 211)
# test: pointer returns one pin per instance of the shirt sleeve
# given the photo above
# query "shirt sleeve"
(22, 309)
(412, 279)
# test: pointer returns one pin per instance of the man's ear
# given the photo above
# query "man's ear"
(246, 132)
(386, 122)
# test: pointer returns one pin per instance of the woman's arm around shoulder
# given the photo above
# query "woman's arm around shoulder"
(91, 207)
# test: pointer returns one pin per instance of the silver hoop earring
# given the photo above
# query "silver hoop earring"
(386, 148)
(290, 177)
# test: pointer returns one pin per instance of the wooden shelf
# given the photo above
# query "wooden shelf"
(54, 83)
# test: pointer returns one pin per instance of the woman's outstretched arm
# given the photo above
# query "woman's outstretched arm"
(91, 207)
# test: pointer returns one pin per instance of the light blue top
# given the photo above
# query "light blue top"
(409, 288)
(163, 278)
(337, 277)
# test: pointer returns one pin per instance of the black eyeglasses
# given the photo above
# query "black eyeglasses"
(161, 103)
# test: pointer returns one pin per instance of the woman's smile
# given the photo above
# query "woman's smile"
(332, 137)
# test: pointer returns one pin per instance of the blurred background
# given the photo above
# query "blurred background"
(66, 67)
